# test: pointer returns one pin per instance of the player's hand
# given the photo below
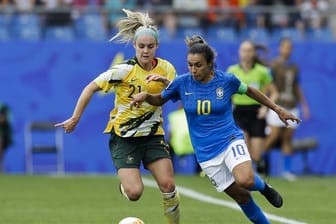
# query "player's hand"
(285, 115)
(157, 78)
(138, 99)
(68, 125)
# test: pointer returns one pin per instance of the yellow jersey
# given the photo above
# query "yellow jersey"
(128, 79)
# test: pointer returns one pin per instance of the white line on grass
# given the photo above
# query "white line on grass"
(202, 197)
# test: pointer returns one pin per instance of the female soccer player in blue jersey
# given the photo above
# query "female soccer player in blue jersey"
(136, 136)
(218, 142)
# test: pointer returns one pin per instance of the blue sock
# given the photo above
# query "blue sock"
(287, 163)
(259, 184)
(254, 213)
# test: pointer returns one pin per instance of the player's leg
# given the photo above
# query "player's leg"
(254, 182)
(162, 171)
(272, 137)
(256, 148)
(243, 174)
(257, 140)
(245, 201)
(222, 178)
(131, 185)
(287, 151)
(157, 160)
(127, 159)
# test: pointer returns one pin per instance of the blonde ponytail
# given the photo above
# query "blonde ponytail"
(129, 25)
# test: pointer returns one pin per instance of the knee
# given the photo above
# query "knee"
(133, 193)
(246, 182)
(167, 185)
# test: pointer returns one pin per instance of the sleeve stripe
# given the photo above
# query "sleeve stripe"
(242, 89)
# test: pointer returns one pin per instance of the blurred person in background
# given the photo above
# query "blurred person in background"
(147, 4)
(253, 18)
(5, 133)
(280, 18)
(159, 10)
(249, 114)
(193, 14)
(57, 12)
(114, 10)
(286, 79)
(25, 5)
(6, 6)
(224, 13)
(179, 138)
(5, 3)
(83, 5)
(169, 26)
(136, 137)
(314, 13)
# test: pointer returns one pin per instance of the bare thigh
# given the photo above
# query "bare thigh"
(243, 174)
(163, 173)
(131, 181)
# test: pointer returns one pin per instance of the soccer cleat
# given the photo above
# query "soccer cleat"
(272, 196)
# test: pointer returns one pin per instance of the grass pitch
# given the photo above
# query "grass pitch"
(96, 200)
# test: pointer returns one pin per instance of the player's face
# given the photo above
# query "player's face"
(286, 48)
(246, 52)
(199, 68)
(145, 47)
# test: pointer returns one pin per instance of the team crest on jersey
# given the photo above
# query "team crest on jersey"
(220, 93)
(130, 159)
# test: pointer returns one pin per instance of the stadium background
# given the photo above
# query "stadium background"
(41, 80)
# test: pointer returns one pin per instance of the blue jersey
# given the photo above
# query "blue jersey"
(208, 110)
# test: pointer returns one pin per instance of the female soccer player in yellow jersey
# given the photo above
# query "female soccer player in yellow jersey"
(137, 136)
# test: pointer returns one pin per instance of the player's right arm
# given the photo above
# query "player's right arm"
(83, 100)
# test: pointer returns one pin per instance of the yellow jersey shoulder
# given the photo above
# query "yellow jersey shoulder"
(115, 74)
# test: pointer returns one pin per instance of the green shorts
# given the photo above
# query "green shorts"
(130, 152)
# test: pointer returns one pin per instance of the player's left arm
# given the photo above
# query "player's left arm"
(259, 96)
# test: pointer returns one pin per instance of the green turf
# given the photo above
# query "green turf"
(96, 200)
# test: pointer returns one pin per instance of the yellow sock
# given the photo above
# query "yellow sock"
(171, 203)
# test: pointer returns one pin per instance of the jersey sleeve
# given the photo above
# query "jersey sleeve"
(230, 69)
(115, 74)
(267, 77)
(171, 75)
(242, 89)
(237, 85)
(172, 91)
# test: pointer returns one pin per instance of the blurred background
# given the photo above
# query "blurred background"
(50, 49)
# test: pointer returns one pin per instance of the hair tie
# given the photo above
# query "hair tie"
(146, 30)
